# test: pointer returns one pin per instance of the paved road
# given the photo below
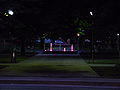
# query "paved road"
(52, 87)
(43, 83)
(61, 79)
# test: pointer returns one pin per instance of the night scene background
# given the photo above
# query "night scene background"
(89, 28)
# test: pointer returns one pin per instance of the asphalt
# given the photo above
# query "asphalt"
(53, 87)
(97, 82)
(61, 79)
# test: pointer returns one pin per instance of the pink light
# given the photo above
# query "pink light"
(64, 49)
(72, 48)
(51, 47)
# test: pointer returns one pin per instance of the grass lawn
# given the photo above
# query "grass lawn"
(7, 59)
(36, 66)
(107, 72)
(51, 65)
(106, 68)
(102, 61)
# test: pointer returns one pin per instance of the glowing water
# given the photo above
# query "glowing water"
(64, 49)
(51, 47)
(72, 49)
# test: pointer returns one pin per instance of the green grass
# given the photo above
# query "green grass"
(103, 61)
(38, 66)
(50, 65)
(108, 72)
(7, 59)
(21, 58)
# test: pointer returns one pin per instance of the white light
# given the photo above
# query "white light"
(6, 14)
(64, 49)
(117, 34)
(91, 13)
(78, 34)
(10, 12)
(13, 54)
(87, 40)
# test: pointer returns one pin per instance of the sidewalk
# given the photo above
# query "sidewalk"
(102, 65)
(57, 55)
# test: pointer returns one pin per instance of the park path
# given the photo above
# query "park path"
(72, 66)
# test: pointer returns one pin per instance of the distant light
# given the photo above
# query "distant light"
(98, 41)
(91, 13)
(117, 34)
(51, 47)
(78, 34)
(13, 54)
(87, 40)
(72, 49)
(64, 49)
(6, 14)
(10, 12)
(38, 40)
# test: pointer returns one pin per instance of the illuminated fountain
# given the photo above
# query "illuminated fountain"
(64, 49)
(72, 49)
(51, 47)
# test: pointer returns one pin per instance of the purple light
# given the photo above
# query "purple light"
(64, 49)
(72, 48)
(51, 47)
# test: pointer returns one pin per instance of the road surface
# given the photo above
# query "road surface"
(44, 83)
(53, 87)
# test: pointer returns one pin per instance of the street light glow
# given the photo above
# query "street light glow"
(78, 34)
(91, 13)
(117, 34)
(10, 12)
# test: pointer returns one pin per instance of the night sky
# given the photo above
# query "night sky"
(53, 15)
